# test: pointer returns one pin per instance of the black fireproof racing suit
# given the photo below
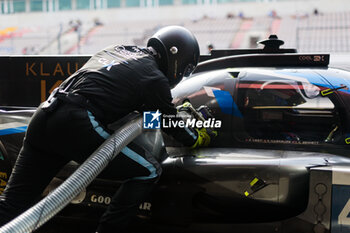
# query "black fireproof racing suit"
(113, 83)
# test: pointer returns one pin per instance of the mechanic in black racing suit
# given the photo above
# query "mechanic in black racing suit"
(73, 122)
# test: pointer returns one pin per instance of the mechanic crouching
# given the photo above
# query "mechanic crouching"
(72, 123)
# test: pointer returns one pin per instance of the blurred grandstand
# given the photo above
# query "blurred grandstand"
(86, 26)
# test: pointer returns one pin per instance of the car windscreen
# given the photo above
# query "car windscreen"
(285, 110)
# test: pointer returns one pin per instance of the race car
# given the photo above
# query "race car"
(280, 161)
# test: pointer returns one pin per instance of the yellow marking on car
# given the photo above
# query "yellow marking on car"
(347, 140)
(330, 91)
(326, 92)
(254, 181)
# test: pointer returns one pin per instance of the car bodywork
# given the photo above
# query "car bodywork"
(280, 162)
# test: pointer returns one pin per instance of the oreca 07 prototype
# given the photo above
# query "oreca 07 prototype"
(280, 162)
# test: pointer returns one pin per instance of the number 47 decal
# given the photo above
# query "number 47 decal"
(343, 218)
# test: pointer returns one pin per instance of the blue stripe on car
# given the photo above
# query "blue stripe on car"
(312, 77)
(226, 103)
(21, 129)
(319, 79)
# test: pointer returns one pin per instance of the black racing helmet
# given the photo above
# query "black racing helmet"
(177, 52)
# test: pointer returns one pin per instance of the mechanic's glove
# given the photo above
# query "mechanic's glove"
(184, 107)
(204, 137)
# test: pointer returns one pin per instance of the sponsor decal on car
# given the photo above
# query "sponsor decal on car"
(340, 200)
